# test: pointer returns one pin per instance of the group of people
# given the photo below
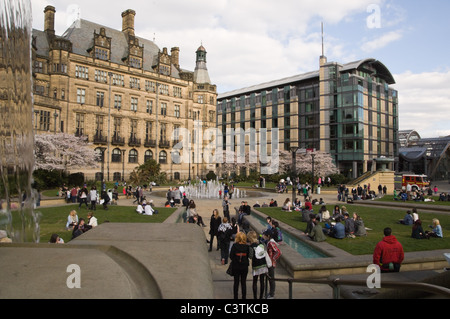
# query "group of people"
(339, 224)
(88, 197)
(243, 247)
(146, 208)
(78, 226)
(412, 219)
(359, 193)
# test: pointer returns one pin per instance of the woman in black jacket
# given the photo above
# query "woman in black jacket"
(214, 228)
(240, 255)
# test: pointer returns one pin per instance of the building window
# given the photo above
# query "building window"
(117, 176)
(101, 54)
(177, 111)
(177, 91)
(148, 131)
(79, 124)
(100, 98)
(163, 136)
(117, 124)
(212, 116)
(117, 101)
(44, 120)
(116, 156)
(101, 76)
(134, 104)
(149, 107)
(163, 157)
(200, 99)
(118, 79)
(39, 90)
(148, 155)
(135, 83)
(38, 67)
(164, 89)
(81, 96)
(133, 128)
(176, 134)
(163, 108)
(99, 126)
(133, 156)
(135, 63)
(81, 72)
(150, 86)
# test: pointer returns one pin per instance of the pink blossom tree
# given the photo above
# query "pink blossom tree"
(63, 151)
(323, 163)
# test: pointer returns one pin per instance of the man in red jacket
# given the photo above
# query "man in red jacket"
(388, 253)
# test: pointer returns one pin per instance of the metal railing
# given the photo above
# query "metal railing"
(336, 284)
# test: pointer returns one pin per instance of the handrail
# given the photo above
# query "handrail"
(337, 282)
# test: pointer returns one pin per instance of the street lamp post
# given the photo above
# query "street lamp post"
(109, 123)
(294, 151)
(123, 165)
(56, 116)
(312, 184)
(102, 150)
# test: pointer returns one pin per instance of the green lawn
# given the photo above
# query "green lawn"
(53, 219)
(390, 198)
(376, 219)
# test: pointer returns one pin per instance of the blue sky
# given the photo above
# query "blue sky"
(255, 41)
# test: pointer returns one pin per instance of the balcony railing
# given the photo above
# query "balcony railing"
(150, 143)
(117, 140)
(134, 142)
(164, 144)
(100, 139)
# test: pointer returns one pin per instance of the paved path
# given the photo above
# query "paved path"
(223, 284)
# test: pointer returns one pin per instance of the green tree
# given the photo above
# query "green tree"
(148, 172)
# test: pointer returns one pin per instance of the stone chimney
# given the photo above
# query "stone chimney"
(175, 56)
(128, 21)
(49, 22)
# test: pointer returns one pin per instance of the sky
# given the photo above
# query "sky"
(251, 42)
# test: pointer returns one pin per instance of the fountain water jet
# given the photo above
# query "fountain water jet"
(210, 190)
(16, 122)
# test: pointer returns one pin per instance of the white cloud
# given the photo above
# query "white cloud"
(382, 41)
(424, 102)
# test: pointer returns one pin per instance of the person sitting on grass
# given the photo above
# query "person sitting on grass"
(336, 231)
(436, 231)
(407, 220)
(360, 228)
(287, 205)
(317, 233)
(417, 231)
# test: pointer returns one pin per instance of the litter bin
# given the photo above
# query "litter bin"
(318, 191)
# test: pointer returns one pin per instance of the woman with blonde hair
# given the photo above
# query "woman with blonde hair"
(240, 255)
(72, 220)
(259, 264)
(436, 229)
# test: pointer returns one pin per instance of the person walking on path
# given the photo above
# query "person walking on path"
(259, 264)
(240, 255)
(388, 253)
(225, 231)
(214, 224)
(274, 254)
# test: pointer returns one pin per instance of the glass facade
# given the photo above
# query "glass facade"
(349, 111)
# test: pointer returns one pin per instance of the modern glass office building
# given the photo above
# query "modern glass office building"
(348, 110)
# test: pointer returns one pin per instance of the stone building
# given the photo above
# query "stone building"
(122, 92)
